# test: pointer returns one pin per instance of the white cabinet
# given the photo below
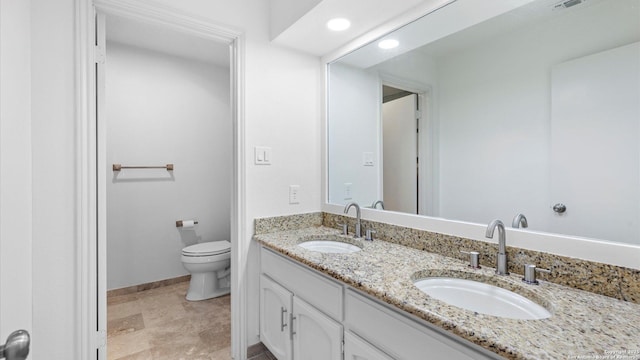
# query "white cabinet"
(293, 329)
(324, 293)
(304, 314)
(357, 349)
(315, 335)
(275, 306)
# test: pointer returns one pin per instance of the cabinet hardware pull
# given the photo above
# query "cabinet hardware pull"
(291, 332)
(282, 321)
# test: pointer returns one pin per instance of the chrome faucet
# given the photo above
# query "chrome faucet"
(501, 267)
(358, 222)
(375, 204)
(518, 220)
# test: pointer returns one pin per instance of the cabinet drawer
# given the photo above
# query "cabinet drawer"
(401, 337)
(323, 293)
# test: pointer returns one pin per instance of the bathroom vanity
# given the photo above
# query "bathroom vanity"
(365, 304)
(303, 312)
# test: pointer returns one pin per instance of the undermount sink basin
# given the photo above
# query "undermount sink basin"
(481, 298)
(329, 246)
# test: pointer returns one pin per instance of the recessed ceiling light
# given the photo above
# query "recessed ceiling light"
(338, 24)
(388, 44)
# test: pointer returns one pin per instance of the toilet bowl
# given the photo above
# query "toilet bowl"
(209, 264)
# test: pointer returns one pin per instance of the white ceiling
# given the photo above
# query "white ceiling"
(166, 40)
(310, 34)
(475, 22)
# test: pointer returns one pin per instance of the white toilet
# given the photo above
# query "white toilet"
(209, 264)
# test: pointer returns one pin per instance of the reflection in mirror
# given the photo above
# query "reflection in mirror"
(400, 149)
(503, 109)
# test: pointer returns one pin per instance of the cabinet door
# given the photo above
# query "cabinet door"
(316, 336)
(357, 349)
(275, 307)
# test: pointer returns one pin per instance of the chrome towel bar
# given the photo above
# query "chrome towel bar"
(118, 167)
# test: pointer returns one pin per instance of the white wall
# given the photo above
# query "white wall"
(55, 206)
(15, 168)
(352, 131)
(498, 129)
(285, 13)
(282, 110)
(283, 95)
(164, 109)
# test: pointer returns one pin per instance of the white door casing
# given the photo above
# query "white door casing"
(101, 148)
(15, 169)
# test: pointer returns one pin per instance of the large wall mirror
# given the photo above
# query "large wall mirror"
(486, 110)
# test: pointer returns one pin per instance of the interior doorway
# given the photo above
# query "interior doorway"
(96, 170)
(166, 100)
(400, 155)
(408, 132)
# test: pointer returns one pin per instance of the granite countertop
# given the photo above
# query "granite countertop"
(583, 324)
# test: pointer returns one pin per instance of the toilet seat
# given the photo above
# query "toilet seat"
(207, 249)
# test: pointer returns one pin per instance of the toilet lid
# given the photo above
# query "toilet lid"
(207, 248)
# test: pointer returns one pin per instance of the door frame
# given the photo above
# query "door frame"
(91, 166)
(400, 200)
(427, 141)
(16, 185)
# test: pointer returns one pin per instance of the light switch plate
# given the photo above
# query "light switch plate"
(367, 158)
(293, 194)
(262, 155)
(347, 191)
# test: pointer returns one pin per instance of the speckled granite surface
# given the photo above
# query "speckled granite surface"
(609, 280)
(287, 222)
(583, 325)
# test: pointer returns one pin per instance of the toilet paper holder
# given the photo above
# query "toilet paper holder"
(181, 223)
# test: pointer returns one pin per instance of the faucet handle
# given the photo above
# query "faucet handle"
(530, 274)
(369, 234)
(345, 228)
(474, 258)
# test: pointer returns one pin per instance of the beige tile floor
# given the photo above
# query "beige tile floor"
(160, 324)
